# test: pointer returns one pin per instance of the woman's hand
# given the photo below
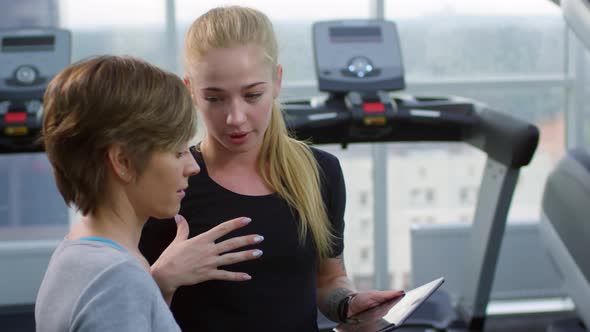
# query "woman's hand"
(192, 261)
(334, 287)
(366, 300)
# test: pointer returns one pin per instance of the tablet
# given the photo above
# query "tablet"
(391, 314)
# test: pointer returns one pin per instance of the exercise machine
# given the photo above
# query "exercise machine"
(564, 224)
(29, 58)
(359, 65)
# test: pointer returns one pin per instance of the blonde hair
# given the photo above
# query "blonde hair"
(95, 103)
(286, 164)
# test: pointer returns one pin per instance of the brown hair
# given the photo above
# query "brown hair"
(95, 103)
(286, 164)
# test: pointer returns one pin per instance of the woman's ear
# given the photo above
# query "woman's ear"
(120, 162)
(187, 83)
(278, 81)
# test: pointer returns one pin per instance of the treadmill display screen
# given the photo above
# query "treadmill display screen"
(28, 43)
(355, 34)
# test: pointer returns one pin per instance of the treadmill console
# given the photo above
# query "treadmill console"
(29, 58)
(359, 64)
(358, 55)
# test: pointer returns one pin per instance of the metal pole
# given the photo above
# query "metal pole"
(381, 257)
(379, 156)
(171, 42)
(378, 9)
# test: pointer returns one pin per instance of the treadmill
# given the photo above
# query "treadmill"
(29, 59)
(359, 65)
(565, 227)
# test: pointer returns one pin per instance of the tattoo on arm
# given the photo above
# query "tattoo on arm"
(331, 303)
(341, 287)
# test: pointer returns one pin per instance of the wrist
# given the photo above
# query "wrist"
(344, 307)
(162, 281)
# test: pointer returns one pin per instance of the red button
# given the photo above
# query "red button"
(373, 107)
(15, 117)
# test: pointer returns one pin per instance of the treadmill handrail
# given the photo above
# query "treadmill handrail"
(504, 138)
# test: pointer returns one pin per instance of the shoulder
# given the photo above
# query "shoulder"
(124, 274)
(123, 285)
(86, 257)
(325, 159)
(94, 267)
(94, 286)
(122, 297)
(331, 175)
(80, 264)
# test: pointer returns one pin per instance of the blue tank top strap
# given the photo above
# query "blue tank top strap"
(104, 240)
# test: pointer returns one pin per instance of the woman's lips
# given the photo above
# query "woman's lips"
(238, 138)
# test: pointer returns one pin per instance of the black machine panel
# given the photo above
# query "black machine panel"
(29, 58)
(358, 55)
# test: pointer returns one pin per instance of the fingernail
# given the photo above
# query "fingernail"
(258, 238)
(246, 220)
(257, 253)
(177, 218)
(246, 277)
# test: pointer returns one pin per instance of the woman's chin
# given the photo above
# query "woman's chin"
(169, 214)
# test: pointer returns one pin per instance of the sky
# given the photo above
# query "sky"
(95, 13)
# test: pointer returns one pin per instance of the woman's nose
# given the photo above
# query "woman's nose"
(236, 115)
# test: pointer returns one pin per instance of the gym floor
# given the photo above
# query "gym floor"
(21, 319)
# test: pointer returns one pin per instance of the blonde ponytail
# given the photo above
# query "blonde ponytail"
(289, 167)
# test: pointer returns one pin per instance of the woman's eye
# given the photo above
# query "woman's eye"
(255, 95)
(212, 99)
(181, 154)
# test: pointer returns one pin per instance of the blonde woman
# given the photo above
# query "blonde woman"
(294, 194)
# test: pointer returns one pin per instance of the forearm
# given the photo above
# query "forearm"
(331, 294)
